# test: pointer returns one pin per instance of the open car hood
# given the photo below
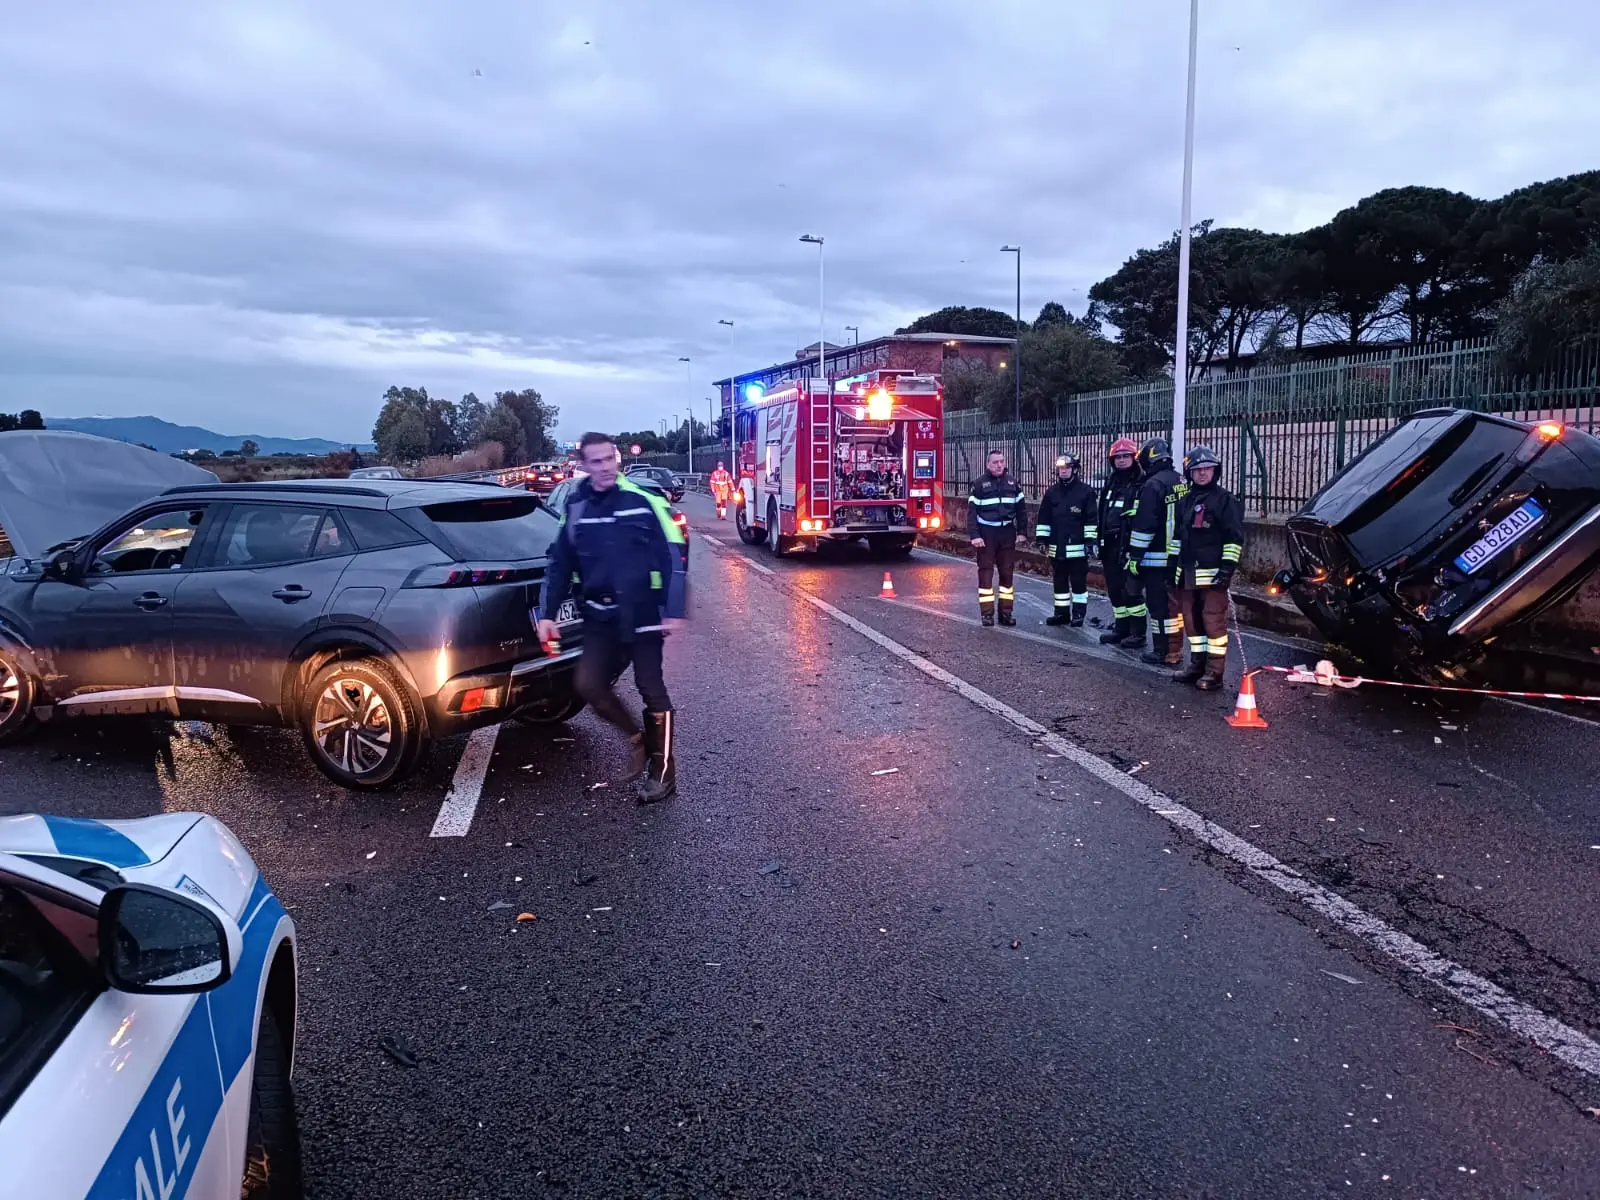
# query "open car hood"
(56, 486)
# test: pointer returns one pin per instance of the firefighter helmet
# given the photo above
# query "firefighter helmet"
(1201, 456)
(1155, 455)
(1122, 445)
(1068, 460)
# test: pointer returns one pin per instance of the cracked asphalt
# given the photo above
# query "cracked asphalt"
(982, 972)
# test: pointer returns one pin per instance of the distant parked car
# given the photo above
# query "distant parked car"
(376, 473)
(542, 478)
(669, 484)
(373, 615)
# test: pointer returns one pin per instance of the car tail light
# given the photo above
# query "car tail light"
(447, 575)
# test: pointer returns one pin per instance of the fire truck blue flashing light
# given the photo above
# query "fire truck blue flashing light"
(753, 393)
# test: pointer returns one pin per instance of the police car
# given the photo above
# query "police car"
(147, 1008)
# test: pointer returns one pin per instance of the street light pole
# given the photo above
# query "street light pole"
(1016, 356)
(688, 379)
(733, 395)
(1180, 367)
(855, 334)
(822, 319)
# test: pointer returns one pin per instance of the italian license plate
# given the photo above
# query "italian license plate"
(1507, 532)
(567, 612)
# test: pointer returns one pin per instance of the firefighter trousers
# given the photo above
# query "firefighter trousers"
(1071, 583)
(605, 656)
(1206, 610)
(1127, 600)
(1161, 602)
(996, 556)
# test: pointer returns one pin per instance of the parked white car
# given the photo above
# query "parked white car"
(147, 1011)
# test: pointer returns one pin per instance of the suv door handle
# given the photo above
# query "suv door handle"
(150, 601)
(291, 593)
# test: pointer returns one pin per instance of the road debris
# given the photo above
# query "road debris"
(888, 771)
(1135, 770)
(772, 868)
(521, 917)
(595, 787)
(397, 1049)
(1342, 978)
(1016, 943)
(499, 904)
(371, 854)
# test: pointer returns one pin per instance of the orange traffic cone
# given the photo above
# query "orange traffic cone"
(1245, 715)
(887, 591)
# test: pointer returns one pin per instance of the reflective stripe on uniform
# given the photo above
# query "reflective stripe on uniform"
(1217, 646)
(1197, 645)
(1141, 541)
(1074, 552)
(1139, 611)
(1041, 533)
(1231, 552)
(1172, 625)
(1080, 597)
(1205, 576)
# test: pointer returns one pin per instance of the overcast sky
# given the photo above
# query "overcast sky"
(256, 215)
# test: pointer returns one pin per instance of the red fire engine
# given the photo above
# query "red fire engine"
(855, 461)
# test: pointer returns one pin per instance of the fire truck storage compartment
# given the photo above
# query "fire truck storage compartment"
(869, 471)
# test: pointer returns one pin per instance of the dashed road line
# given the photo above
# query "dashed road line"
(461, 802)
(1562, 1041)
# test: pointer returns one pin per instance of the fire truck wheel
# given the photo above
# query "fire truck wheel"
(776, 542)
(748, 534)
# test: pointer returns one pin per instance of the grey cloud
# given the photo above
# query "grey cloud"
(275, 209)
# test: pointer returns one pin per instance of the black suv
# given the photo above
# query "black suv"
(373, 615)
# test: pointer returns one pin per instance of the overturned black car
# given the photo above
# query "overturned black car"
(1445, 535)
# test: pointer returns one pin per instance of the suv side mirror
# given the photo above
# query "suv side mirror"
(62, 565)
(157, 942)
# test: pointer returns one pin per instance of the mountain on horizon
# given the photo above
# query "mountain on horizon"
(172, 439)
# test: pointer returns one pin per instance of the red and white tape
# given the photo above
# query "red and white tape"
(1324, 675)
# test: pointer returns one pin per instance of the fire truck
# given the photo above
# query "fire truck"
(840, 460)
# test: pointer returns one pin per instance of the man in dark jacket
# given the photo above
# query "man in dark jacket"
(1151, 543)
(1117, 501)
(619, 541)
(997, 514)
(1210, 526)
(1066, 533)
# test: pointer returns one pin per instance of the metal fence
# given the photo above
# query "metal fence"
(1282, 432)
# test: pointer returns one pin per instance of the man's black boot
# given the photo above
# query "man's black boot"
(1191, 674)
(988, 619)
(1116, 633)
(1059, 617)
(660, 780)
(1078, 611)
(1006, 618)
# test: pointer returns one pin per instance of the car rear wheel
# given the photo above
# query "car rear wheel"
(16, 698)
(360, 725)
(272, 1169)
(552, 710)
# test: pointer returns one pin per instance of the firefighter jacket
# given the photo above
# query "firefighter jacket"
(997, 511)
(1152, 538)
(721, 481)
(622, 546)
(1117, 501)
(1068, 519)
(1210, 523)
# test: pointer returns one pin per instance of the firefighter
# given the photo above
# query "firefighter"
(1066, 534)
(619, 541)
(1210, 527)
(721, 488)
(1117, 500)
(997, 513)
(1151, 544)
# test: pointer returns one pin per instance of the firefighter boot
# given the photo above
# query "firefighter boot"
(660, 780)
(638, 757)
(1006, 618)
(1116, 633)
(1078, 611)
(1165, 651)
(988, 618)
(1061, 616)
(1134, 638)
(1211, 681)
(1193, 672)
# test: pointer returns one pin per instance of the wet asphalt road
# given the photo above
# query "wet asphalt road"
(988, 973)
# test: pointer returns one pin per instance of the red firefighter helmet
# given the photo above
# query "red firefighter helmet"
(1122, 446)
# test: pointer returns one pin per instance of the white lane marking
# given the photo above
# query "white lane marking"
(1564, 1042)
(762, 567)
(1549, 712)
(461, 802)
(715, 541)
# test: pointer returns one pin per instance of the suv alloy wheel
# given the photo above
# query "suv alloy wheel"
(360, 725)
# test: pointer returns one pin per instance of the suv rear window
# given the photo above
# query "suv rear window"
(498, 528)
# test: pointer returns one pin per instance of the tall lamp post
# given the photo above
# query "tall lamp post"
(822, 321)
(1180, 366)
(733, 393)
(1016, 355)
(688, 380)
(855, 334)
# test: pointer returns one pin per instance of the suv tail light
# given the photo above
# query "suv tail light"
(447, 575)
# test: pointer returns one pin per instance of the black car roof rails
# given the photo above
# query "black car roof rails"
(330, 487)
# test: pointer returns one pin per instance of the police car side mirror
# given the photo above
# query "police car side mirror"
(154, 942)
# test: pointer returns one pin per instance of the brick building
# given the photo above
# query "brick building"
(925, 353)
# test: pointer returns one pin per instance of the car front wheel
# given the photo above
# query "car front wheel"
(360, 725)
(272, 1168)
(16, 698)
